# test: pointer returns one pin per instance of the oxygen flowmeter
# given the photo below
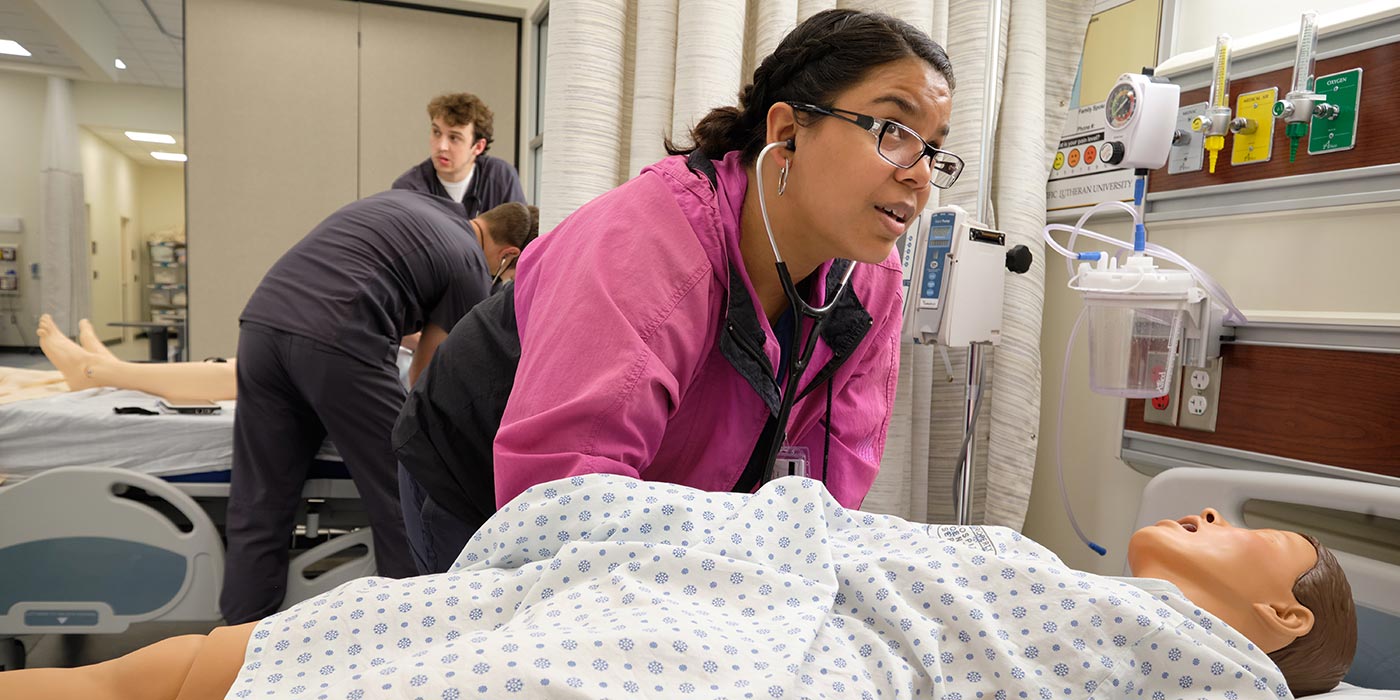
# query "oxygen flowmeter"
(1216, 121)
(1141, 114)
(954, 278)
(1301, 103)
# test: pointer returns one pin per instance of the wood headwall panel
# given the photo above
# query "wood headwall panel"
(1335, 407)
(1377, 134)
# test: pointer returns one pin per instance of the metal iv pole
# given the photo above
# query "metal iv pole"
(975, 359)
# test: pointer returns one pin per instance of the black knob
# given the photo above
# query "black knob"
(1018, 259)
(1111, 152)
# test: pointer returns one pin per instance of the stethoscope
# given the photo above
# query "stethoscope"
(797, 362)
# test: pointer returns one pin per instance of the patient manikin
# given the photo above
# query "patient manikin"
(88, 363)
(1280, 592)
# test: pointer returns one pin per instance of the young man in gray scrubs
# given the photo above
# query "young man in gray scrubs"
(317, 353)
(458, 167)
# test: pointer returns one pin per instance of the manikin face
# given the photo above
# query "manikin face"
(839, 184)
(454, 149)
(1245, 577)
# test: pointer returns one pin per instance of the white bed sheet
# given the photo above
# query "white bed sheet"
(1350, 692)
(80, 429)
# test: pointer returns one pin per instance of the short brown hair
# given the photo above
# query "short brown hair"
(1317, 661)
(512, 224)
(462, 108)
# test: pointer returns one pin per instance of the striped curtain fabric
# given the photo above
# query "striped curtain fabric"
(624, 75)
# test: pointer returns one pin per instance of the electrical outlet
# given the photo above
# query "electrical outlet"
(1200, 396)
(1163, 409)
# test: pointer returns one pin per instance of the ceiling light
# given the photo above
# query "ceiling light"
(163, 155)
(12, 48)
(149, 137)
(121, 65)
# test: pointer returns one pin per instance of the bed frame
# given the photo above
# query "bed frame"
(80, 557)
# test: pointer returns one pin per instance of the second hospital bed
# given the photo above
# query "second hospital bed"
(111, 519)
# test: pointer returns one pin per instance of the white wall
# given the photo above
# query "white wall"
(1326, 265)
(162, 198)
(111, 190)
(129, 106)
(21, 129)
(21, 120)
(1201, 21)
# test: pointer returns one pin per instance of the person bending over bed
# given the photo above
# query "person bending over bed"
(89, 363)
(608, 586)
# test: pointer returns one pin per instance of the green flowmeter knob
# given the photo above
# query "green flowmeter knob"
(1282, 109)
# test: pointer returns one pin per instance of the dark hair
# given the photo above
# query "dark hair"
(461, 109)
(512, 224)
(816, 61)
(1317, 661)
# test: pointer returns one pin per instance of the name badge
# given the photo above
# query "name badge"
(792, 461)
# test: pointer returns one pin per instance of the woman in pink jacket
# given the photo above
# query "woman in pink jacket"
(653, 328)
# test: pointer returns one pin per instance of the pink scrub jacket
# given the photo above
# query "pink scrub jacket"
(621, 310)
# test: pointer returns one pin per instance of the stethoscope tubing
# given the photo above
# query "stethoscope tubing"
(797, 361)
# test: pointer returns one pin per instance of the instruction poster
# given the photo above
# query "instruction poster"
(1077, 176)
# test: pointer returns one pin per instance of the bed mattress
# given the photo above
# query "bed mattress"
(81, 428)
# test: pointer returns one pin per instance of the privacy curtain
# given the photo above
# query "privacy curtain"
(64, 260)
(623, 75)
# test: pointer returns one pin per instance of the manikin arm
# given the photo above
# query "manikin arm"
(189, 667)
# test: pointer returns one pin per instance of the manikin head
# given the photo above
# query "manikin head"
(460, 131)
(1282, 590)
(503, 232)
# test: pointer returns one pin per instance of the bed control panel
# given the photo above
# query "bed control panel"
(61, 618)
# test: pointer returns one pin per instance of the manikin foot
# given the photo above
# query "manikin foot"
(67, 357)
(87, 337)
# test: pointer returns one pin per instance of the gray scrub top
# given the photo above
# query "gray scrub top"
(494, 182)
(374, 271)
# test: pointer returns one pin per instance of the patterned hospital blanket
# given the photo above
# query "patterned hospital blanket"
(610, 587)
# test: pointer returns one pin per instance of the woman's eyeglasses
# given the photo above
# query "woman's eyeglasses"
(899, 145)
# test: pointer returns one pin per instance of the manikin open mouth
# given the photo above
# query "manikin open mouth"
(1189, 527)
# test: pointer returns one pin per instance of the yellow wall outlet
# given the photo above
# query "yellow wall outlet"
(1255, 143)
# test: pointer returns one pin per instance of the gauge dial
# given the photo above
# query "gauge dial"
(1121, 105)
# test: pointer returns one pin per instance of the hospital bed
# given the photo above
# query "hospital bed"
(107, 520)
(1375, 583)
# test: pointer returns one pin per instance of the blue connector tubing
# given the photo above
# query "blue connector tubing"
(1095, 255)
(1139, 231)
(1098, 548)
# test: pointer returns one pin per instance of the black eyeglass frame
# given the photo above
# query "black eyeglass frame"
(879, 127)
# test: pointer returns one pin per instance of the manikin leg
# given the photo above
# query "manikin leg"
(84, 369)
(87, 337)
